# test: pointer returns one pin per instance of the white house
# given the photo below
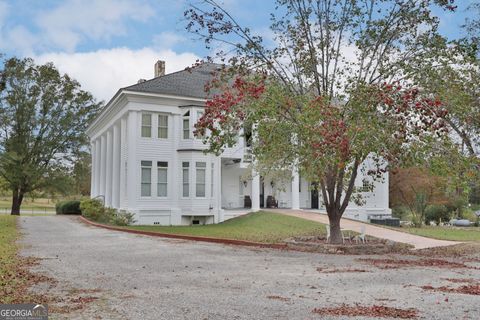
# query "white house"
(146, 160)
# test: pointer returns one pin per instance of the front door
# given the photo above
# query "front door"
(314, 196)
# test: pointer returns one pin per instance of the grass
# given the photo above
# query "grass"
(446, 233)
(8, 258)
(28, 204)
(262, 227)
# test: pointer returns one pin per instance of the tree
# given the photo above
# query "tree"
(43, 117)
(82, 173)
(327, 94)
(416, 188)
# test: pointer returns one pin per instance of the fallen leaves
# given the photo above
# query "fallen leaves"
(471, 289)
(368, 311)
(340, 270)
(399, 263)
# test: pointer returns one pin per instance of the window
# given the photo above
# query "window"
(146, 186)
(211, 180)
(162, 178)
(163, 126)
(299, 183)
(200, 176)
(186, 179)
(146, 125)
(199, 115)
(186, 125)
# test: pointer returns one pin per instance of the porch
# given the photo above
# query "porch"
(243, 189)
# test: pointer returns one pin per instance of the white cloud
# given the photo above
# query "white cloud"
(20, 39)
(167, 39)
(74, 20)
(103, 72)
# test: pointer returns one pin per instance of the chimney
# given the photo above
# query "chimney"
(159, 68)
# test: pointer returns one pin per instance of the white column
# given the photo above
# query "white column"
(103, 165)
(255, 191)
(123, 145)
(133, 185)
(93, 167)
(295, 189)
(98, 156)
(116, 167)
(218, 188)
(108, 177)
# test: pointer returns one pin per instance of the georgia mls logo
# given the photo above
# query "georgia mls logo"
(39, 311)
(27, 311)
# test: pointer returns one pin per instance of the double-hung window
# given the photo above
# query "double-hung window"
(163, 126)
(186, 125)
(146, 125)
(146, 184)
(162, 179)
(200, 179)
(186, 179)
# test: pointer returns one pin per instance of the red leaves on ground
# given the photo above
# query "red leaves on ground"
(461, 280)
(395, 264)
(472, 289)
(370, 311)
(339, 270)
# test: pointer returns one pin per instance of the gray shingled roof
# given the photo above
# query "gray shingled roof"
(186, 83)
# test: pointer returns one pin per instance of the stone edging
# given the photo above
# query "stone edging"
(186, 237)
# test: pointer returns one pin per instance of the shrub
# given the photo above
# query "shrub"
(437, 213)
(123, 218)
(468, 214)
(400, 212)
(93, 209)
(68, 207)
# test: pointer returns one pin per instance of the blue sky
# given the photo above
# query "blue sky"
(108, 44)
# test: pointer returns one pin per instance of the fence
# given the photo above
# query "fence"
(45, 211)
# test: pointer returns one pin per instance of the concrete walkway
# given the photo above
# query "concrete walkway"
(418, 242)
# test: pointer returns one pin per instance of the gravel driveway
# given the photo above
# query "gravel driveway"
(141, 277)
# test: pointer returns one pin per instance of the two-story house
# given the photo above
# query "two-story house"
(145, 159)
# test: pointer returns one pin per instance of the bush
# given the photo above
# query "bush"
(123, 218)
(468, 214)
(93, 209)
(400, 212)
(437, 213)
(68, 207)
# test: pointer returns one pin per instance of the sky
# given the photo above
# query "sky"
(109, 44)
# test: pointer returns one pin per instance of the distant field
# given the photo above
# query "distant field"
(40, 204)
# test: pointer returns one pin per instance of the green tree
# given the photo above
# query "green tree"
(326, 93)
(43, 116)
(81, 173)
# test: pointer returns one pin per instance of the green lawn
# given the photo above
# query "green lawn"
(447, 233)
(263, 227)
(8, 257)
(28, 204)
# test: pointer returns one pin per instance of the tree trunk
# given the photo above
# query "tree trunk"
(335, 232)
(17, 199)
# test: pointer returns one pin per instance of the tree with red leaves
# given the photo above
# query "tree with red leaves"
(314, 106)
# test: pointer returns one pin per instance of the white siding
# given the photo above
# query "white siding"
(174, 209)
